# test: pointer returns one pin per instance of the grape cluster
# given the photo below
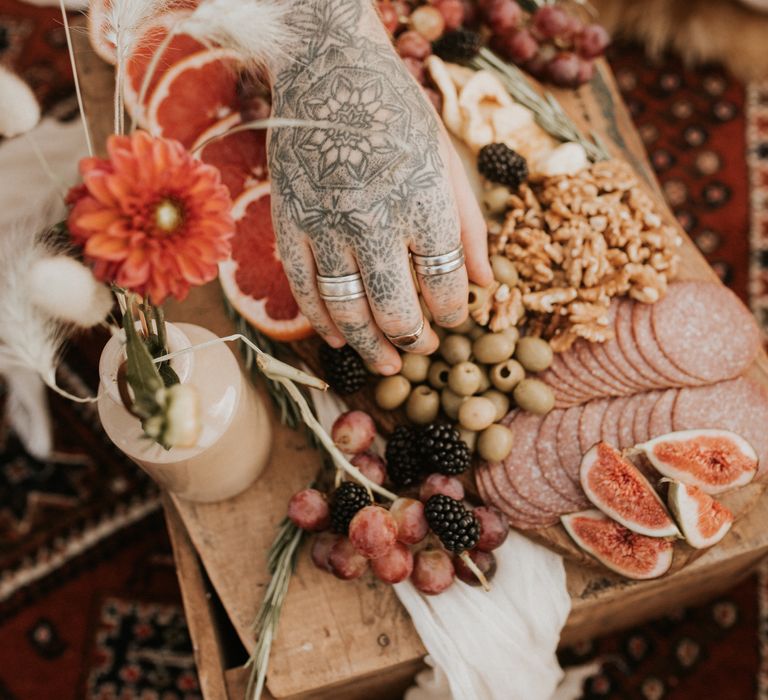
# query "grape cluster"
(355, 533)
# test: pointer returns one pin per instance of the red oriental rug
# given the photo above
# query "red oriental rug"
(89, 604)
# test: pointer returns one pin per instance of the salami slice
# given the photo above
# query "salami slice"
(568, 448)
(591, 386)
(590, 421)
(740, 405)
(705, 330)
(642, 332)
(523, 471)
(626, 341)
(626, 421)
(609, 430)
(641, 422)
(562, 381)
(597, 371)
(660, 422)
(493, 496)
(601, 358)
(546, 453)
(616, 359)
(499, 481)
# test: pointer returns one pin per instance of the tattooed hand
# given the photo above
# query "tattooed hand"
(375, 178)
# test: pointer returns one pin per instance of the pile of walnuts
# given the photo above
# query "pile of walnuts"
(577, 241)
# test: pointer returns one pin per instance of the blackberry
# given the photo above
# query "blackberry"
(441, 449)
(499, 163)
(346, 500)
(402, 454)
(456, 527)
(344, 370)
(460, 45)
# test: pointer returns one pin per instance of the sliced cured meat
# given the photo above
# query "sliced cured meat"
(740, 405)
(626, 341)
(705, 331)
(568, 448)
(597, 372)
(626, 421)
(523, 469)
(590, 421)
(643, 408)
(562, 381)
(526, 513)
(642, 332)
(493, 496)
(582, 376)
(660, 422)
(549, 462)
(612, 350)
(601, 357)
(609, 430)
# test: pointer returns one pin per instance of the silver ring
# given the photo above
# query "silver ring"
(437, 260)
(407, 339)
(345, 288)
(444, 269)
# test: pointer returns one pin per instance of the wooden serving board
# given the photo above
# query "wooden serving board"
(598, 109)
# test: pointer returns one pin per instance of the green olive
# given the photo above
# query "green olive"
(534, 396)
(465, 378)
(504, 270)
(500, 400)
(391, 392)
(535, 354)
(455, 349)
(423, 405)
(476, 413)
(476, 332)
(485, 379)
(465, 327)
(438, 374)
(492, 348)
(477, 296)
(495, 443)
(469, 438)
(495, 199)
(512, 332)
(450, 402)
(415, 367)
(505, 376)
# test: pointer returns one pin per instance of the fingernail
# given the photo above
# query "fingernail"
(335, 341)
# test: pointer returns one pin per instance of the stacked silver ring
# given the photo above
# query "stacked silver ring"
(346, 288)
(429, 265)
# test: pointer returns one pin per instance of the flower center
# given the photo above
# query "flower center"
(168, 216)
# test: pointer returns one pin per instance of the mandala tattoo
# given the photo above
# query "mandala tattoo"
(365, 180)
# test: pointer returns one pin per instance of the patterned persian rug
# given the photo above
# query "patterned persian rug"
(89, 604)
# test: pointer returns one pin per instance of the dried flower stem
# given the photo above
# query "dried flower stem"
(75, 77)
(464, 556)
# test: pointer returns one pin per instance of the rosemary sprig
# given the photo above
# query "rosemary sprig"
(546, 109)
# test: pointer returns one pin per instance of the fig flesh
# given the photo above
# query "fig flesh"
(619, 489)
(702, 520)
(618, 548)
(714, 460)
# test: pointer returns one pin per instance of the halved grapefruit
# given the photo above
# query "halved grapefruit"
(253, 279)
(240, 157)
(180, 46)
(193, 95)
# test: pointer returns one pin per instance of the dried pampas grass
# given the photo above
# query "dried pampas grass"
(700, 31)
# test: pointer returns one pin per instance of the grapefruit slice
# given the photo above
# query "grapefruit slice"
(240, 157)
(180, 46)
(193, 95)
(253, 279)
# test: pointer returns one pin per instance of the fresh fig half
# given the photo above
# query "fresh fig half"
(702, 520)
(619, 489)
(621, 550)
(713, 460)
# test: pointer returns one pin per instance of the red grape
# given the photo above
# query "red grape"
(537, 66)
(373, 531)
(563, 69)
(520, 46)
(550, 21)
(440, 483)
(502, 15)
(409, 517)
(470, 13)
(353, 432)
(494, 527)
(395, 566)
(592, 41)
(572, 28)
(433, 571)
(389, 16)
(485, 561)
(321, 549)
(308, 509)
(428, 21)
(345, 561)
(372, 466)
(586, 71)
(452, 12)
(416, 69)
(411, 44)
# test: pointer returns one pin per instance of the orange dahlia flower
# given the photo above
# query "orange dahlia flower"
(150, 217)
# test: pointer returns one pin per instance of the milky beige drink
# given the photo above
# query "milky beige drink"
(235, 438)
